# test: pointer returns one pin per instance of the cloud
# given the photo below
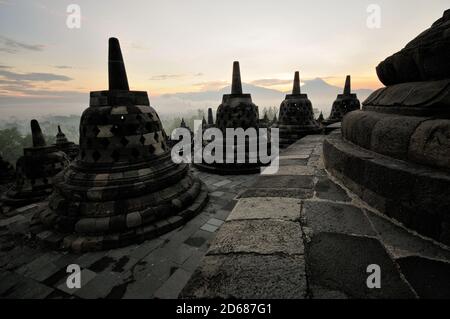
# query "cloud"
(37, 77)
(271, 82)
(4, 67)
(162, 77)
(211, 85)
(9, 45)
(62, 67)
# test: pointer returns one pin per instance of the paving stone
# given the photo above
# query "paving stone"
(293, 170)
(222, 183)
(209, 228)
(429, 278)
(248, 277)
(173, 286)
(266, 207)
(193, 261)
(339, 218)
(277, 192)
(40, 268)
(86, 276)
(100, 286)
(200, 239)
(339, 262)
(264, 236)
(326, 189)
(275, 181)
(28, 289)
(402, 243)
(319, 292)
(8, 280)
(215, 222)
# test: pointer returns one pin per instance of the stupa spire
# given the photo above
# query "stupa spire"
(347, 87)
(296, 87)
(236, 85)
(36, 133)
(116, 67)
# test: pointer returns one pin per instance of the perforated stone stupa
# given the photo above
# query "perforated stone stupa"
(344, 103)
(237, 111)
(64, 145)
(401, 161)
(124, 187)
(296, 116)
(35, 171)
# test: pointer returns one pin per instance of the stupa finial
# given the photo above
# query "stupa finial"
(296, 87)
(36, 133)
(236, 85)
(117, 74)
(347, 87)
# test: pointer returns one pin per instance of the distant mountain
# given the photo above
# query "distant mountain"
(319, 92)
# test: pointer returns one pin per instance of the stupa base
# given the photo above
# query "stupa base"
(413, 194)
(91, 242)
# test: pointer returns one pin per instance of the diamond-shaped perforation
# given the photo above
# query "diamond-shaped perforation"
(124, 141)
(105, 142)
(96, 155)
(115, 155)
(95, 130)
(135, 153)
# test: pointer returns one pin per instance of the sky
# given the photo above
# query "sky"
(173, 46)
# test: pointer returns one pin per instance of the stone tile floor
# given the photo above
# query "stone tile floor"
(296, 234)
(300, 234)
(157, 268)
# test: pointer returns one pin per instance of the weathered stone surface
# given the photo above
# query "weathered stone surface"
(248, 277)
(258, 236)
(339, 262)
(414, 195)
(429, 278)
(430, 143)
(300, 193)
(326, 189)
(275, 181)
(402, 243)
(266, 207)
(337, 218)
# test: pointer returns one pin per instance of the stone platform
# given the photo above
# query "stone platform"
(299, 234)
(157, 268)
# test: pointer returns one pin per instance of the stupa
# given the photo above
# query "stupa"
(320, 119)
(7, 172)
(35, 171)
(64, 145)
(210, 118)
(124, 187)
(344, 103)
(395, 152)
(296, 118)
(236, 111)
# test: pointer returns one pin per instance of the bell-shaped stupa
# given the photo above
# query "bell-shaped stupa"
(64, 145)
(35, 171)
(124, 187)
(344, 103)
(237, 111)
(395, 152)
(296, 118)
